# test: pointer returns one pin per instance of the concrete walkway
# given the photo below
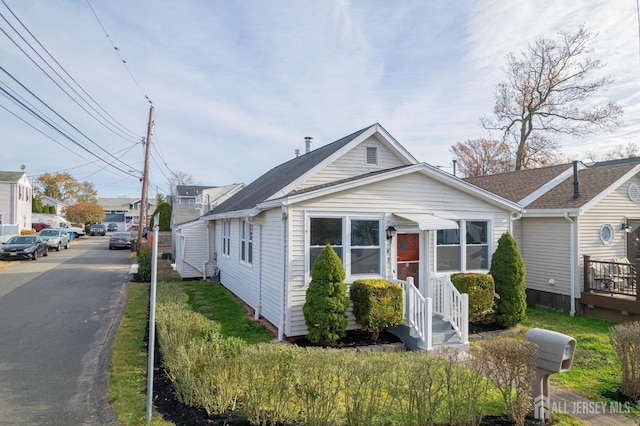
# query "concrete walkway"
(587, 411)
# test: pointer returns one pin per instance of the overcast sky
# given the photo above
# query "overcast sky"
(237, 85)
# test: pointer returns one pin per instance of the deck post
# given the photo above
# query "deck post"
(636, 281)
(586, 266)
(464, 321)
(428, 332)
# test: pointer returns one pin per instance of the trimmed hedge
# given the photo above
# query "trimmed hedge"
(481, 290)
(377, 304)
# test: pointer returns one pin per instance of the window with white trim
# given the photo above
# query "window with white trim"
(356, 240)
(246, 242)
(472, 253)
(226, 237)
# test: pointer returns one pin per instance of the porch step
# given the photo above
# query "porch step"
(443, 336)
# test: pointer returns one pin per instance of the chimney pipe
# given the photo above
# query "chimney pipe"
(576, 183)
(308, 142)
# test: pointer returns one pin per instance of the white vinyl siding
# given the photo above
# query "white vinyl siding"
(545, 246)
(354, 163)
(191, 249)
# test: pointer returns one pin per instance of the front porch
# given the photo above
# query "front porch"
(611, 288)
(438, 320)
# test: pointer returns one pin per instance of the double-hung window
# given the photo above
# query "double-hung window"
(463, 254)
(356, 241)
(226, 237)
(246, 242)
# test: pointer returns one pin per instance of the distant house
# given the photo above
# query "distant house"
(125, 212)
(16, 195)
(579, 234)
(195, 201)
(385, 214)
(58, 205)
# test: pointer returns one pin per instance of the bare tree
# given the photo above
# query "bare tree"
(179, 178)
(478, 157)
(615, 153)
(547, 91)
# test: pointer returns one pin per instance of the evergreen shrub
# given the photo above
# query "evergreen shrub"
(508, 271)
(481, 290)
(377, 304)
(326, 302)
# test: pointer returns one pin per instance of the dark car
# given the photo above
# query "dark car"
(98, 229)
(112, 227)
(120, 240)
(24, 247)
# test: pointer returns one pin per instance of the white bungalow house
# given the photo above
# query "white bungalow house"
(579, 235)
(16, 195)
(262, 242)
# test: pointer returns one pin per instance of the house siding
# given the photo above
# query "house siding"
(353, 164)
(239, 277)
(544, 244)
(15, 202)
(191, 249)
(413, 193)
(268, 236)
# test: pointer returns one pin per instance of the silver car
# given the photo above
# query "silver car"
(55, 237)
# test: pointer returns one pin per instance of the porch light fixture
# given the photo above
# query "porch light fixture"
(625, 227)
(391, 232)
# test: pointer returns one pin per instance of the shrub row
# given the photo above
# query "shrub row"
(274, 383)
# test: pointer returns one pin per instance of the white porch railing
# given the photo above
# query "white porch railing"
(417, 312)
(450, 305)
(443, 300)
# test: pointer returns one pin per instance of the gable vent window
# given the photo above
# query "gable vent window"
(372, 155)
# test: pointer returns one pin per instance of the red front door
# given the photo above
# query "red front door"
(408, 261)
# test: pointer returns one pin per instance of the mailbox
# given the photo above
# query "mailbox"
(555, 355)
(555, 350)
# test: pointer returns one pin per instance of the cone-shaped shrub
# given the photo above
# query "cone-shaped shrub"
(507, 269)
(325, 307)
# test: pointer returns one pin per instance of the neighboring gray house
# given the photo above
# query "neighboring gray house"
(16, 195)
(264, 239)
(572, 211)
(46, 200)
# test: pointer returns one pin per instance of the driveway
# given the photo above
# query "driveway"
(58, 317)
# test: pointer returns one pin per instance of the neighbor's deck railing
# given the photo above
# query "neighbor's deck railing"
(615, 276)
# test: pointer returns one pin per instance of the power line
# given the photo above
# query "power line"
(115, 48)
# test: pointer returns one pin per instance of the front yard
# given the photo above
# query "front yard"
(595, 373)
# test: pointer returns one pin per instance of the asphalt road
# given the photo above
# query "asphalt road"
(58, 317)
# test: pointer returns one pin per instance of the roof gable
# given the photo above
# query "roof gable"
(13, 177)
(285, 178)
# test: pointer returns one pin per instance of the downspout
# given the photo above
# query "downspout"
(259, 304)
(284, 275)
(573, 263)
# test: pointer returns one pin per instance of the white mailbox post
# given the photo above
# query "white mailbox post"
(555, 355)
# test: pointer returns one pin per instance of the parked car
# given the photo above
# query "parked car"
(112, 227)
(39, 226)
(120, 240)
(55, 238)
(98, 229)
(24, 247)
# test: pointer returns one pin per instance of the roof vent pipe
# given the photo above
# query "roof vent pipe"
(308, 142)
(576, 183)
(297, 152)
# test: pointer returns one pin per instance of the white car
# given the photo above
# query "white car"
(55, 237)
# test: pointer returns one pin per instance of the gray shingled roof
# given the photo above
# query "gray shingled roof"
(280, 176)
(514, 186)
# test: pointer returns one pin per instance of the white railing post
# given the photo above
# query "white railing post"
(428, 314)
(464, 323)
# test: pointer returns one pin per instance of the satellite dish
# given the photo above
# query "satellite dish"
(22, 167)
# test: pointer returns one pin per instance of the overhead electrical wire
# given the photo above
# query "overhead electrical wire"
(111, 124)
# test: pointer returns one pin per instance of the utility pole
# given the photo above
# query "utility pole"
(142, 221)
